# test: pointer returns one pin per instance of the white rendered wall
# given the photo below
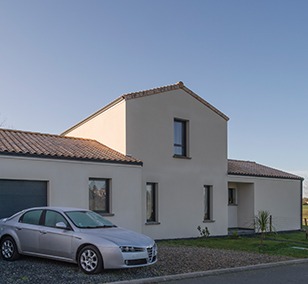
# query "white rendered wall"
(107, 127)
(180, 181)
(68, 184)
(281, 197)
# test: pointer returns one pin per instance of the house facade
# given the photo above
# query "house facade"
(153, 161)
(182, 142)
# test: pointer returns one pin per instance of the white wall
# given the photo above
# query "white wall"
(68, 184)
(148, 131)
(180, 181)
(107, 127)
(281, 197)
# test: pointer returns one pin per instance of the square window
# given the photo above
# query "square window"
(99, 195)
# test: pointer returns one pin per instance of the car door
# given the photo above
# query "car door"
(28, 231)
(53, 241)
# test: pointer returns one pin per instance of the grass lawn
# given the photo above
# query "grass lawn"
(274, 244)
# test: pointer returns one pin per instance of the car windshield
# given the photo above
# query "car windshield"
(88, 220)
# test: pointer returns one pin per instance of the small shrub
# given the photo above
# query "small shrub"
(263, 224)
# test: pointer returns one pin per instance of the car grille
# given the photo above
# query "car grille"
(151, 253)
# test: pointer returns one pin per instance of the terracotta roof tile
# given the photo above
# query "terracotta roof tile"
(13, 142)
(248, 168)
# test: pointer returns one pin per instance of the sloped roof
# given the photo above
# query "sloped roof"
(32, 144)
(248, 168)
(139, 94)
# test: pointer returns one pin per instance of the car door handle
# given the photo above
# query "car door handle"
(43, 232)
(18, 228)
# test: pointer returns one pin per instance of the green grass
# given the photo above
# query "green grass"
(274, 244)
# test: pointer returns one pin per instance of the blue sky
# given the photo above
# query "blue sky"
(61, 60)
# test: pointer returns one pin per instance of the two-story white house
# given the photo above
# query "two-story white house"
(154, 161)
(182, 141)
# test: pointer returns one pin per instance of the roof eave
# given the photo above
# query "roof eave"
(265, 176)
(28, 155)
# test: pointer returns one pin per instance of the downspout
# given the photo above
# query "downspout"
(301, 205)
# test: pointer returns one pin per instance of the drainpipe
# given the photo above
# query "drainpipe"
(301, 207)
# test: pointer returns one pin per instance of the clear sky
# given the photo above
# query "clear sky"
(61, 60)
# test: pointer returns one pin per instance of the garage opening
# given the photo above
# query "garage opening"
(16, 195)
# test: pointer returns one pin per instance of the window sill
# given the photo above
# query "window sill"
(181, 157)
(208, 221)
(152, 223)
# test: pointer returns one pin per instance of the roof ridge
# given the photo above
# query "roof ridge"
(148, 92)
(153, 91)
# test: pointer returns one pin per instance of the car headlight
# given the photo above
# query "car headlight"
(131, 249)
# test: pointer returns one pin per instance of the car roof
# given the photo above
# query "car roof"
(56, 208)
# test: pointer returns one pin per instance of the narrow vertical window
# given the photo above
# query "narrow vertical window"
(207, 203)
(151, 202)
(231, 196)
(180, 137)
(99, 195)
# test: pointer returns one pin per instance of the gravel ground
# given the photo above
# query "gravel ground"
(172, 260)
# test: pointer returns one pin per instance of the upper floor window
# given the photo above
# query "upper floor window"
(99, 195)
(180, 137)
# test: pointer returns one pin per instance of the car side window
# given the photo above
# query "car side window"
(31, 217)
(53, 217)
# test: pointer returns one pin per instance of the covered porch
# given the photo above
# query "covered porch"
(241, 207)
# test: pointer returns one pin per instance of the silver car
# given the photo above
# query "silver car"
(74, 235)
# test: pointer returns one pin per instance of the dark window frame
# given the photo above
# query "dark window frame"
(180, 146)
(152, 218)
(207, 199)
(232, 196)
(107, 203)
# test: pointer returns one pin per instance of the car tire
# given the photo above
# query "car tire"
(90, 260)
(9, 250)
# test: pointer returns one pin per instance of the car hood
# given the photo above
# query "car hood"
(120, 236)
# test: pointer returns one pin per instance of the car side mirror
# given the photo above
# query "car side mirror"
(61, 225)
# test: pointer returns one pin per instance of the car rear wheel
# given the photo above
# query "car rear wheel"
(9, 249)
(90, 260)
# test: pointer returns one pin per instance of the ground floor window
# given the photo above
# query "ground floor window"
(231, 196)
(151, 202)
(100, 195)
(207, 203)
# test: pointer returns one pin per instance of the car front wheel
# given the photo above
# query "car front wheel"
(9, 249)
(90, 260)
